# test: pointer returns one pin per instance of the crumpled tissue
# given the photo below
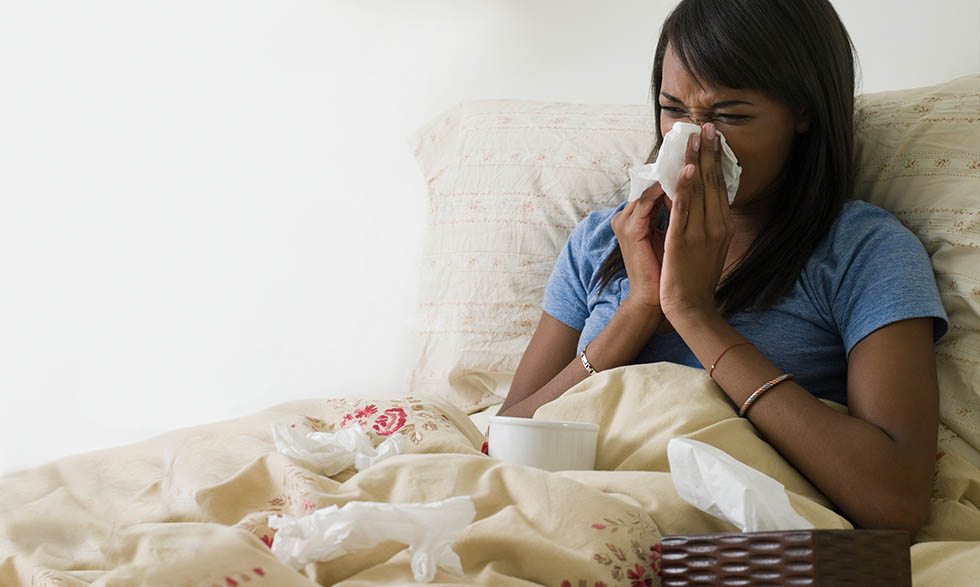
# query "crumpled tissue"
(332, 453)
(670, 162)
(429, 529)
(715, 483)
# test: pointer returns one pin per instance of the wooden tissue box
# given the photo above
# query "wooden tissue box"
(865, 558)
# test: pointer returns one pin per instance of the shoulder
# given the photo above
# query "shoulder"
(862, 215)
(593, 238)
(862, 229)
(596, 228)
(872, 271)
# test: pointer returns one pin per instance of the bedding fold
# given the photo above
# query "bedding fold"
(191, 507)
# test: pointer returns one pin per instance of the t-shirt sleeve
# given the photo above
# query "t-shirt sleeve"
(566, 294)
(887, 277)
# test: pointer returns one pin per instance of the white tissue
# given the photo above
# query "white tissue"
(670, 162)
(332, 453)
(714, 482)
(429, 530)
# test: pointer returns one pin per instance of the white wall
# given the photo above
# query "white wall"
(210, 207)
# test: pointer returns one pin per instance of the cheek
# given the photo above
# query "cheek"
(761, 159)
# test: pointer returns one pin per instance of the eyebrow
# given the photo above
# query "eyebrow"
(721, 104)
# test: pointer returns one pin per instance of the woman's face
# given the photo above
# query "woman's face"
(759, 129)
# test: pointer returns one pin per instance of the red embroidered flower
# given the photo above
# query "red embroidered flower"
(566, 583)
(389, 422)
(940, 455)
(636, 576)
(655, 559)
(366, 411)
(267, 539)
(347, 418)
(258, 571)
(600, 584)
(231, 582)
(598, 526)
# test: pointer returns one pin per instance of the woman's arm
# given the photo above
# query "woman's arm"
(550, 366)
(877, 462)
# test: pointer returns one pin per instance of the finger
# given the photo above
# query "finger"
(716, 194)
(653, 192)
(695, 214)
(681, 208)
(645, 204)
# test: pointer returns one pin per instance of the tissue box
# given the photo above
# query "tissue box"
(866, 558)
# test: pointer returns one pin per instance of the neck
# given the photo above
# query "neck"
(749, 220)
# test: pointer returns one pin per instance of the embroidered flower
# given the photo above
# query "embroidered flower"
(599, 526)
(636, 576)
(390, 421)
(366, 411)
(656, 563)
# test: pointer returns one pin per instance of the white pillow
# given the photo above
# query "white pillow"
(918, 156)
(508, 180)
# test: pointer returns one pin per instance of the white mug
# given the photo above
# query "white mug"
(545, 444)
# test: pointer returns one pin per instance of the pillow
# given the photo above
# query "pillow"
(918, 156)
(509, 179)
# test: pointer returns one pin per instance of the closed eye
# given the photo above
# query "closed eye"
(675, 112)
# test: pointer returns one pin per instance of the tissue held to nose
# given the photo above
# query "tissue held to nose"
(670, 162)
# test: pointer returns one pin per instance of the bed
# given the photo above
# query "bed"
(507, 182)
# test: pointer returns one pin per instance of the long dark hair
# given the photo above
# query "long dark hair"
(799, 52)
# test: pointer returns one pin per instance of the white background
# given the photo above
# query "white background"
(210, 207)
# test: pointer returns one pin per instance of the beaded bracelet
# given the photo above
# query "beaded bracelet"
(758, 393)
(711, 370)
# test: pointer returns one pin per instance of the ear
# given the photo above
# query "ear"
(802, 120)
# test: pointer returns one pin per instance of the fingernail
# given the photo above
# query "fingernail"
(689, 171)
(712, 136)
(696, 143)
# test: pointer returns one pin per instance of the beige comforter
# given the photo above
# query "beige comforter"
(191, 507)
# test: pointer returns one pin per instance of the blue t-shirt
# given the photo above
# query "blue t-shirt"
(867, 272)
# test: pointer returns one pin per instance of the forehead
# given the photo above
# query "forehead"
(678, 82)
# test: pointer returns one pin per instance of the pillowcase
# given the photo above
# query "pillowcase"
(918, 156)
(509, 179)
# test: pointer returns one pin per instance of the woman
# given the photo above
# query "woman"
(791, 279)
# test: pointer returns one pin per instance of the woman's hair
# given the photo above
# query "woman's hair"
(799, 52)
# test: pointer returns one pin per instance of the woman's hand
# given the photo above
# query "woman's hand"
(700, 230)
(642, 246)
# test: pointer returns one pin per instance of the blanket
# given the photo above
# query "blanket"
(191, 507)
